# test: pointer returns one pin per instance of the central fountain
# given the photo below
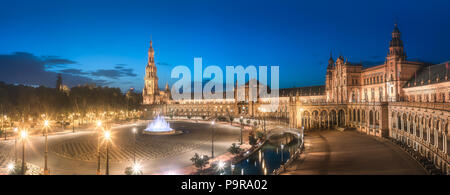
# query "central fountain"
(159, 126)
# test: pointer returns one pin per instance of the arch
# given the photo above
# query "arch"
(404, 120)
(354, 116)
(446, 138)
(371, 122)
(333, 117)
(377, 117)
(363, 116)
(440, 141)
(341, 118)
(359, 116)
(324, 118)
(423, 129)
(410, 126)
(431, 131)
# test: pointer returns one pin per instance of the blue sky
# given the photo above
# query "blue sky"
(106, 42)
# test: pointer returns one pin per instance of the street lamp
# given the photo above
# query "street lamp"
(15, 144)
(99, 125)
(242, 119)
(212, 139)
(221, 166)
(134, 130)
(23, 136)
(137, 168)
(3, 120)
(46, 126)
(282, 146)
(107, 137)
(73, 122)
(10, 166)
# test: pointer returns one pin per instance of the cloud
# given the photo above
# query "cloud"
(120, 66)
(74, 71)
(116, 73)
(56, 61)
(26, 68)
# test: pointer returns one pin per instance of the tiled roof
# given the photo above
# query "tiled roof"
(429, 75)
(303, 91)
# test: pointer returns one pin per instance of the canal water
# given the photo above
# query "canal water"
(268, 158)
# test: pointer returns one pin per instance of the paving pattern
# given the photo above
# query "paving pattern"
(7, 153)
(350, 152)
(148, 147)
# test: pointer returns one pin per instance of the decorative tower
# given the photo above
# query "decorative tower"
(396, 45)
(59, 85)
(151, 91)
(329, 78)
(395, 57)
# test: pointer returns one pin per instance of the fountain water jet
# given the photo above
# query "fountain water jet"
(159, 126)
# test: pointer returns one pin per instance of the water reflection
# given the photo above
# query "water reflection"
(266, 160)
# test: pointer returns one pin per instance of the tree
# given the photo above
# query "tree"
(260, 135)
(189, 117)
(130, 171)
(235, 149)
(251, 140)
(17, 170)
(231, 117)
(200, 161)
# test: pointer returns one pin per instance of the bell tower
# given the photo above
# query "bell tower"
(151, 90)
(394, 59)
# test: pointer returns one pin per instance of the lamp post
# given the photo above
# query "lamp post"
(264, 119)
(46, 125)
(134, 137)
(73, 123)
(15, 144)
(282, 146)
(242, 119)
(23, 135)
(212, 139)
(99, 125)
(107, 139)
(3, 121)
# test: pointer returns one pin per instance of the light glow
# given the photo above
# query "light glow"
(221, 165)
(136, 168)
(10, 166)
(107, 135)
(158, 125)
(99, 123)
(23, 134)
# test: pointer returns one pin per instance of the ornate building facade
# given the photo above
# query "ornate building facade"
(404, 100)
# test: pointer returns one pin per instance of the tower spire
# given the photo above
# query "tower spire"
(396, 44)
(330, 61)
(151, 90)
(151, 54)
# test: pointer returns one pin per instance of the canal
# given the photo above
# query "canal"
(275, 152)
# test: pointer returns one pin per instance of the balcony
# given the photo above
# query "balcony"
(428, 105)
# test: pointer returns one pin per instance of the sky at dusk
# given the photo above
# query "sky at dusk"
(106, 42)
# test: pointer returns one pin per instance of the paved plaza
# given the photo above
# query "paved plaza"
(76, 153)
(350, 152)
